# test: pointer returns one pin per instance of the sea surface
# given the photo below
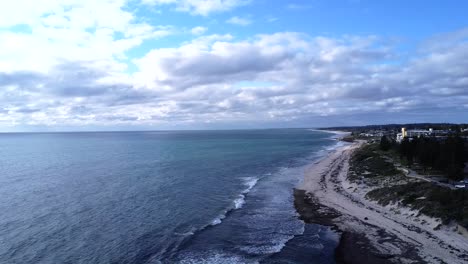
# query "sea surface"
(159, 197)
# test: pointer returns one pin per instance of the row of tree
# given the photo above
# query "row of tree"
(448, 155)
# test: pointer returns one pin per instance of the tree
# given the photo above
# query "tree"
(455, 157)
(407, 150)
(447, 156)
(385, 143)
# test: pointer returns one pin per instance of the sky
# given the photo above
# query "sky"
(77, 65)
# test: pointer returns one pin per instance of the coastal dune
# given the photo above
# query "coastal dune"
(371, 233)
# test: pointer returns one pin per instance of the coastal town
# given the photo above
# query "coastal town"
(399, 132)
(408, 136)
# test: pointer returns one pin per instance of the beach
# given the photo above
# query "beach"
(371, 233)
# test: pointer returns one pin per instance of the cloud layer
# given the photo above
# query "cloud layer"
(70, 68)
(200, 7)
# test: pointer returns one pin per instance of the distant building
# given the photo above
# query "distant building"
(402, 135)
(373, 133)
(415, 133)
(419, 133)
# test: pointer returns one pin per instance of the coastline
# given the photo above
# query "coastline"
(337, 133)
(369, 232)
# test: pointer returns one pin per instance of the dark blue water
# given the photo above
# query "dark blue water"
(157, 197)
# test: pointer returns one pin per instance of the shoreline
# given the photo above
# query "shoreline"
(338, 133)
(369, 232)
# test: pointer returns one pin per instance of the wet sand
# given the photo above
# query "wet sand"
(352, 247)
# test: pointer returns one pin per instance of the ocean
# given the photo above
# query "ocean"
(159, 197)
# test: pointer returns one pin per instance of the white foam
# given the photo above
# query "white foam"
(214, 258)
(218, 219)
(267, 249)
(250, 182)
(189, 233)
(239, 202)
(335, 146)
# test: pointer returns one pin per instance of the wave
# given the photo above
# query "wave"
(274, 247)
(237, 203)
(218, 220)
(188, 233)
(214, 258)
(335, 146)
(325, 150)
(249, 183)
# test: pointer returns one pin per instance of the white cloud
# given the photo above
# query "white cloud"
(302, 76)
(198, 30)
(298, 6)
(73, 30)
(271, 19)
(200, 7)
(235, 20)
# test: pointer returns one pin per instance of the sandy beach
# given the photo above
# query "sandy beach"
(372, 233)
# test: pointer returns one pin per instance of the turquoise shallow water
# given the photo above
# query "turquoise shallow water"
(157, 197)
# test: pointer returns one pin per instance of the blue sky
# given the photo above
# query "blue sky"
(198, 64)
(407, 21)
